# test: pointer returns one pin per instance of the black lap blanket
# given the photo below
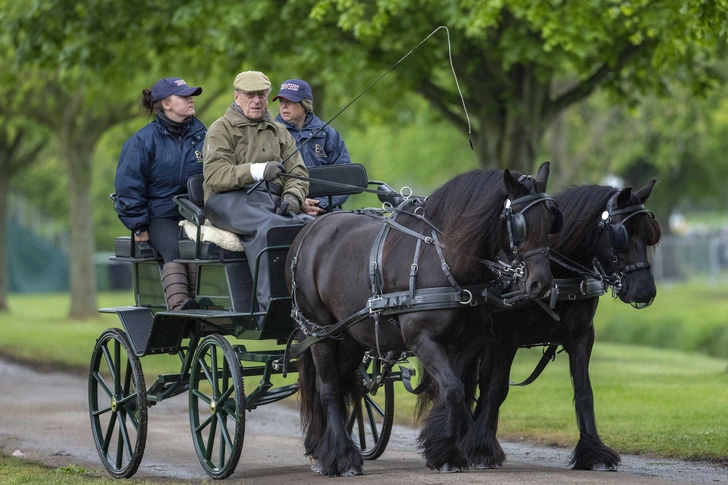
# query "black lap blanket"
(250, 213)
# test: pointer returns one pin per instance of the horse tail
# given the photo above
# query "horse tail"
(427, 396)
(313, 420)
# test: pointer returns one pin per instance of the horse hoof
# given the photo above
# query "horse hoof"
(352, 472)
(483, 466)
(447, 468)
(315, 467)
(605, 468)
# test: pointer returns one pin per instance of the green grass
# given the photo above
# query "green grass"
(647, 400)
(15, 471)
(687, 316)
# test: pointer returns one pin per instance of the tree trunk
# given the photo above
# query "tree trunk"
(83, 275)
(4, 269)
(510, 127)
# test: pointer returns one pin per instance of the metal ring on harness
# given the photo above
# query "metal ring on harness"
(420, 208)
(407, 190)
(470, 297)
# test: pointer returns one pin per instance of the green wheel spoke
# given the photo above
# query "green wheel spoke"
(109, 432)
(198, 394)
(372, 405)
(204, 424)
(102, 384)
(224, 432)
(211, 438)
(117, 365)
(98, 413)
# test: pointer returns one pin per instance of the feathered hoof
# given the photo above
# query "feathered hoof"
(315, 467)
(485, 466)
(352, 472)
(605, 468)
(447, 468)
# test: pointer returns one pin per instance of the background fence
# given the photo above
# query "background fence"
(679, 257)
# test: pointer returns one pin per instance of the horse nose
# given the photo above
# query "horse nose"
(538, 286)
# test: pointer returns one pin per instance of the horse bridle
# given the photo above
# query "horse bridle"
(516, 222)
(619, 239)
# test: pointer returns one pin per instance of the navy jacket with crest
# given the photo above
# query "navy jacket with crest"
(325, 147)
(154, 167)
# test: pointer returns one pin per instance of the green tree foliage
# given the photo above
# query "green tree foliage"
(680, 141)
(524, 62)
(79, 67)
(521, 62)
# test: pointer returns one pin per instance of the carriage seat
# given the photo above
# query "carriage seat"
(204, 241)
(348, 179)
(127, 250)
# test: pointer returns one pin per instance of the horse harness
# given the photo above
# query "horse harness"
(413, 299)
(591, 284)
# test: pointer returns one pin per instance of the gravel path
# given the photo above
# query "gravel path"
(44, 416)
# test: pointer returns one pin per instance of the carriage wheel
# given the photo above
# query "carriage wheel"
(117, 400)
(370, 423)
(217, 406)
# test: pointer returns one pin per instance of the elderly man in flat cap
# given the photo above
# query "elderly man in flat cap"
(244, 148)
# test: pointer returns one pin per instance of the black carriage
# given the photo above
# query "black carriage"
(212, 368)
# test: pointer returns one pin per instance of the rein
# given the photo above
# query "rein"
(341, 185)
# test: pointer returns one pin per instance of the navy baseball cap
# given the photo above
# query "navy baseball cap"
(295, 90)
(173, 85)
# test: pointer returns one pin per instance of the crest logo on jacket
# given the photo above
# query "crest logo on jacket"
(320, 151)
(198, 155)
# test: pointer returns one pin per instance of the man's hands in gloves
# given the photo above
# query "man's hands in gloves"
(289, 203)
(266, 171)
(273, 170)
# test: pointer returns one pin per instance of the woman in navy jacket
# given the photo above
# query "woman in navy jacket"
(318, 143)
(154, 166)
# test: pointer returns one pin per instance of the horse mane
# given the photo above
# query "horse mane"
(582, 207)
(467, 211)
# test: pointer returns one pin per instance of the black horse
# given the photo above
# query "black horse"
(423, 266)
(604, 228)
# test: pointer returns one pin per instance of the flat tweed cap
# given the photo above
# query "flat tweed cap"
(250, 81)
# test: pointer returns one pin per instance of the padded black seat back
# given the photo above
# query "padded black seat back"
(353, 175)
(194, 190)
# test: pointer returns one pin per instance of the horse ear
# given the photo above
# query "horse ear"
(542, 177)
(645, 192)
(514, 188)
(623, 197)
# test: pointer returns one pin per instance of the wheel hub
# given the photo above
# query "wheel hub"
(213, 407)
(113, 404)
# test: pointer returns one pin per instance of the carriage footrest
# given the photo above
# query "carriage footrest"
(271, 395)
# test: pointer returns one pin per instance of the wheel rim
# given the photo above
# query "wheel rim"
(117, 404)
(217, 406)
(370, 423)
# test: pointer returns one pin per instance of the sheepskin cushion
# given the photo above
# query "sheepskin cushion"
(209, 233)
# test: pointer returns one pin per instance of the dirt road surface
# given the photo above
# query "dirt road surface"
(44, 417)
